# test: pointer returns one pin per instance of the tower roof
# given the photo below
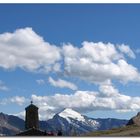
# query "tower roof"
(32, 106)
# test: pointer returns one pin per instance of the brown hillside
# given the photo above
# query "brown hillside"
(131, 129)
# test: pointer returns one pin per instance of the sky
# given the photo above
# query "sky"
(79, 56)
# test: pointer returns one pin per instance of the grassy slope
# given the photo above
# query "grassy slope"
(131, 130)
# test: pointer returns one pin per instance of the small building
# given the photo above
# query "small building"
(32, 123)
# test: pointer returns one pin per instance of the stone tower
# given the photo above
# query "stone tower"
(31, 118)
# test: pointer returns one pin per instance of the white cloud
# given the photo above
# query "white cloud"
(19, 100)
(27, 50)
(107, 90)
(126, 49)
(3, 86)
(40, 81)
(98, 62)
(109, 98)
(20, 114)
(62, 83)
(57, 67)
(94, 62)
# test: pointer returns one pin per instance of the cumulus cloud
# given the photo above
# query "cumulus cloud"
(126, 49)
(27, 50)
(98, 62)
(40, 81)
(19, 100)
(20, 114)
(94, 62)
(107, 89)
(109, 98)
(62, 83)
(3, 86)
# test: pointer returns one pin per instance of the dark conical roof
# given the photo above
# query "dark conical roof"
(31, 106)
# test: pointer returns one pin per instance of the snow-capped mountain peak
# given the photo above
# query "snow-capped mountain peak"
(69, 113)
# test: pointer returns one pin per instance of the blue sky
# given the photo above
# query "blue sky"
(56, 54)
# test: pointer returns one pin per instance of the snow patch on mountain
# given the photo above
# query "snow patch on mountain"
(69, 113)
(91, 122)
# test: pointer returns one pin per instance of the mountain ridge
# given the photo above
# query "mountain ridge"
(135, 120)
(131, 129)
(79, 124)
(10, 125)
(69, 121)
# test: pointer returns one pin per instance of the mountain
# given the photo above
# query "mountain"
(70, 122)
(132, 128)
(10, 125)
(135, 120)
(110, 123)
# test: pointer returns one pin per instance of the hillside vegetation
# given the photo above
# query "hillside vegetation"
(129, 130)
